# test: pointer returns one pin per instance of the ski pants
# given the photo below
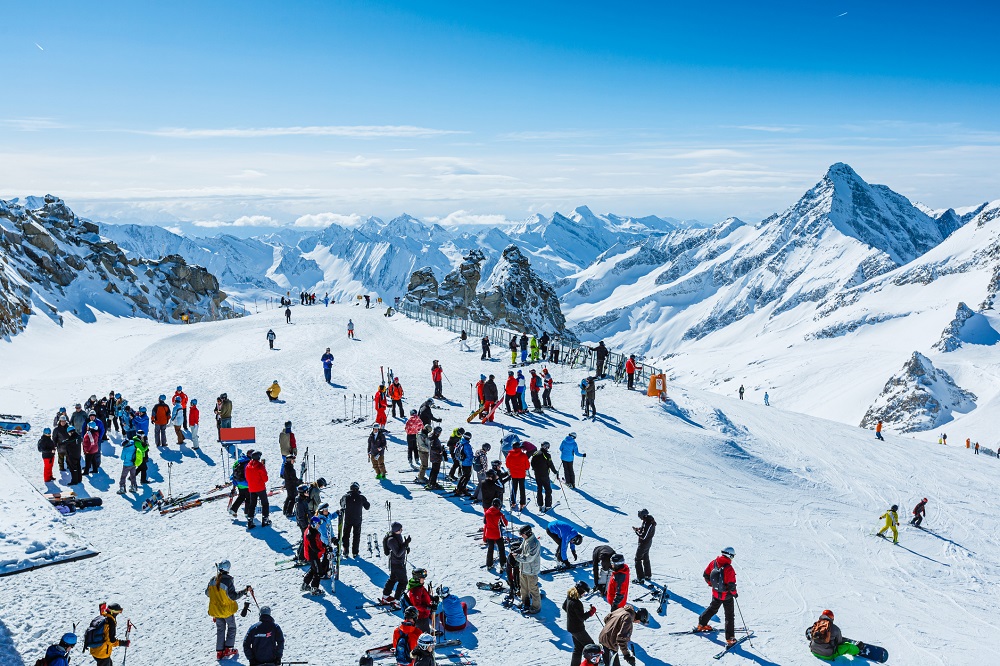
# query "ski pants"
(327, 373)
(879, 437)
(91, 462)
(349, 529)
(396, 585)
(438, 390)
(895, 532)
(554, 355)
(242, 495)
(524, 355)
(499, 545)
(535, 401)
(225, 632)
(511, 403)
(422, 473)
(589, 408)
(486, 354)
(143, 469)
(62, 459)
(642, 566)
(395, 404)
(102, 661)
(313, 576)
(569, 477)
(631, 380)
(47, 469)
(544, 484)
(600, 367)
(378, 464)
(288, 507)
(194, 436)
(727, 605)
(180, 434)
(531, 597)
(581, 639)
(270, 344)
(160, 434)
(435, 470)
(411, 448)
(846, 647)
(513, 357)
(917, 520)
(517, 486)
(251, 505)
(463, 483)
(523, 400)
(127, 473)
(547, 397)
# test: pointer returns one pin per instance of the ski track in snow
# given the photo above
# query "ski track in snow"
(798, 497)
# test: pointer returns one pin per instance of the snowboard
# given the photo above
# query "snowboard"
(874, 653)
(473, 415)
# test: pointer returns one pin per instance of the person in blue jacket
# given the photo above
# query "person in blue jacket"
(464, 451)
(128, 467)
(327, 359)
(567, 451)
(452, 611)
(566, 537)
(141, 421)
(264, 642)
(125, 420)
(58, 654)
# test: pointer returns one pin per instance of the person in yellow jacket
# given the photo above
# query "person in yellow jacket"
(891, 523)
(222, 595)
(273, 391)
(102, 653)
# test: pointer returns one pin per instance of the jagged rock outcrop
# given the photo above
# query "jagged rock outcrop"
(920, 397)
(967, 326)
(52, 262)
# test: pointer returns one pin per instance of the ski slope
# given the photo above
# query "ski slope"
(798, 498)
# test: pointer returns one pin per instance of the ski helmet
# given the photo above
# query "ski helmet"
(411, 613)
(895, 507)
(180, 388)
(572, 435)
(224, 396)
(194, 401)
(643, 514)
(467, 436)
(115, 608)
(46, 431)
(419, 573)
(642, 615)
(315, 520)
(486, 446)
(323, 507)
(223, 566)
(68, 640)
(140, 431)
(617, 561)
(827, 613)
(355, 486)
(482, 377)
(545, 446)
(162, 397)
(729, 552)
(265, 610)
(496, 502)
(142, 410)
(426, 642)
(70, 429)
(525, 530)
(925, 499)
(577, 540)
(593, 653)
(256, 455)
(288, 424)
(516, 445)
(460, 431)
(444, 590)
(303, 488)
(582, 587)
(413, 412)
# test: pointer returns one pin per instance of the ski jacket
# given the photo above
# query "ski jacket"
(380, 401)
(437, 372)
(465, 452)
(273, 391)
(524, 341)
(450, 611)
(568, 449)
(327, 360)
(60, 435)
(376, 444)
(630, 367)
(490, 391)
(289, 476)
(315, 498)
(161, 414)
(256, 475)
(891, 518)
(226, 411)
(183, 396)
(414, 424)
(824, 644)
(141, 451)
(520, 383)
(103, 651)
(91, 442)
(222, 595)
(78, 419)
(398, 548)
(100, 428)
(617, 591)
(302, 512)
(194, 415)
(481, 461)
(286, 443)
(312, 544)
(646, 531)
(601, 351)
(438, 453)
(72, 445)
(141, 422)
(353, 503)
(47, 447)
(510, 388)
(177, 415)
(565, 533)
(485, 343)
(271, 335)
(919, 509)
(530, 557)
(517, 463)
(489, 491)
(264, 642)
(576, 615)
(535, 386)
(418, 596)
(56, 656)
(617, 631)
(583, 386)
(128, 454)
(541, 465)
(395, 391)
(721, 576)
(513, 343)
(423, 443)
(591, 390)
(493, 518)
(239, 475)
(426, 415)
(479, 389)
(408, 632)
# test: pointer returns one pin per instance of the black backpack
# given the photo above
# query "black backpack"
(239, 472)
(93, 637)
(385, 542)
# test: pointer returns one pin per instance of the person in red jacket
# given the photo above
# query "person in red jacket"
(92, 450)
(194, 419)
(179, 393)
(534, 386)
(518, 465)
(479, 390)
(437, 374)
(720, 575)
(494, 521)
(405, 637)
(380, 406)
(512, 403)
(621, 575)
(256, 475)
(630, 370)
(420, 598)
(314, 550)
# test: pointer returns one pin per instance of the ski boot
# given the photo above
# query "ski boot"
(265, 522)
(304, 588)
(730, 642)
(316, 592)
(232, 512)
(121, 491)
(703, 628)
(251, 524)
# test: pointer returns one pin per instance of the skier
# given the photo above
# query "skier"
(438, 454)
(288, 315)
(327, 360)
(878, 431)
(589, 408)
(602, 566)
(94, 418)
(141, 422)
(273, 391)
(511, 401)
(645, 532)
(102, 635)
(380, 406)
(491, 395)
(602, 353)
(256, 475)
(313, 550)
(529, 558)
(465, 455)
(376, 451)
(513, 349)
(891, 523)
(721, 577)
(291, 482)
(48, 450)
(543, 345)
(826, 641)
(593, 655)
(479, 391)
(397, 548)
(919, 513)
(522, 386)
(58, 654)
(128, 457)
(437, 373)
(576, 620)
(286, 442)
(222, 596)
(524, 348)
(423, 654)
(630, 371)
(239, 481)
(567, 450)
(396, 396)
(546, 388)
(616, 592)
(423, 453)
(485, 344)
(352, 504)
(566, 537)
(533, 346)
(493, 524)
(194, 420)
(264, 643)
(160, 419)
(616, 636)
(463, 341)
(91, 450)
(741, 391)
(541, 465)
(405, 638)
(350, 329)
(270, 338)
(491, 488)
(315, 494)
(177, 420)
(418, 597)
(481, 463)
(767, 399)
(535, 386)
(453, 613)
(518, 465)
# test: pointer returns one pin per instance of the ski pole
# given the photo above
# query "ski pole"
(170, 492)
(345, 406)
(580, 475)
(749, 640)
(446, 378)
(128, 629)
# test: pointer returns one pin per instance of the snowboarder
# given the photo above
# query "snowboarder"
(286, 442)
(327, 360)
(741, 391)
(417, 596)
(630, 371)
(601, 352)
(485, 344)
(437, 373)
(616, 636)
(222, 597)
(529, 559)
(48, 450)
(288, 315)
(160, 419)
(576, 620)
(493, 524)
(891, 523)
(518, 465)
(397, 548)
(256, 475)
(396, 396)
(919, 513)
(291, 481)
(546, 388)
(566, 537)
(194, 419)
(452, 613)
(273, 391)
(270, 338)
(616, 593)
(406, 637)
(541, 465)
(314, 551)
(645, 532)
(264, 643)
(352, 504)
(102, 634)
(128, 457)
(376, 451)
(721, 577)
(878, 431)
(350, 329)
(568, 449)
(826, 641)
(58, 654)
(412, 427)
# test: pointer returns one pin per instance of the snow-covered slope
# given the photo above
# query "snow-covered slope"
(797, 496)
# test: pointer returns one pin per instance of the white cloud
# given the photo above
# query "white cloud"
(353, 131)
(32, 124)
(244, 221)
(465, 217)
(321, 220)
(248, 174)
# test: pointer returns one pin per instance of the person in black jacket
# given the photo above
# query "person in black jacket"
(541, 465)
(48, 450)
(486, 348)
(576, 620)
(292, 482)
(602, 357)
(264, 642)
(398, 548)
(425, 414)
(436, 456)
(645, 533)
(352, 504)
(74, 454)
(60, 435)
(602, 566)
(489, 490)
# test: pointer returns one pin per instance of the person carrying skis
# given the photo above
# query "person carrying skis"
(493, 524)
(239, 480)
(406, 637)
(568, 449)
(491, 395)
(533, 346)
(616, 636)
(465, 455)
(412, 427)
(376, 451)
(397, 548)
(919, 513)
(546, 388)
(512, 403)
(128, 457)
(288, 315)
(177, 420)
(436, 455)
(352, 504)
(286, 442)
(222, 597)
(878, 431)
(91, 450)
(273, 391)
(396, 396)
(518, 465)
(529, 560)
(437, 374)
(485, 344)
(418, 597)
(827, 642)
(327, 360)
(264, 643)
(891, 518)
(602, 567)
(721, 577)
(616, 592)
(102, 635)
(601, 352)
(566, 537)
(194, 420)
(270, 338)
(630, 371)
(524, 348)
(291, 481)
(160, 419)
(256, 475)
(645, 532)
(314, 551)
(576, 620)
(541, 465)
(453, 613)
(534, 387)
(58, 654)
(423, 654)
(423, 453)
(512, 345)
(48, 450)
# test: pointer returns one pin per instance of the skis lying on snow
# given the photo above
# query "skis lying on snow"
(184, 506)
(660, 594)
(739, 630)
(495, 587)
(383, 651)
(553, 570)
(730, 647)
(394, 605)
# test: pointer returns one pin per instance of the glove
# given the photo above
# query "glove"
(629, 659)
(407, 541)
(124, 643)
(574, 556)
(583, 455)
(734, 594)
(593, 609)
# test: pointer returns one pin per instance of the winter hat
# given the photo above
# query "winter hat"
(397, 527)
(78, 406)
(177, 400)
(142, 410)
(69, 640)
(355, 486)
(325, 506)
(92, 426)
(895, 507)
(265, 610)
(62, 410)
(46, 431)
(532, 372)
(256, 455)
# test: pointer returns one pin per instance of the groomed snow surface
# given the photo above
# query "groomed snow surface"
(796, 496)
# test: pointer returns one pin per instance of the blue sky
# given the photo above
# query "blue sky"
(270, 111)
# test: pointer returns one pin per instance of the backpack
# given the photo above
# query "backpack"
(239, 472)
(820, 631)
(93, 637)
(385, 542)
(402, 648)
(459, 451)
(718, 578)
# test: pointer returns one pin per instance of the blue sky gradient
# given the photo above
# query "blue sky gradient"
(212, 111)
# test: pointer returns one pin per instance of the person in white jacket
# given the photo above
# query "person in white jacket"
(529, 558)
(177, 420)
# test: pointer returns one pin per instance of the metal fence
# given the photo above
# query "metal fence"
(569, 354)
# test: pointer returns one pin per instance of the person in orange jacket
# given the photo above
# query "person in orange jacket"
(878, 431)
(396, 396)
(405, 637)
(518, 464)
(160, 419)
